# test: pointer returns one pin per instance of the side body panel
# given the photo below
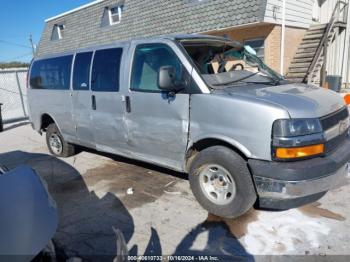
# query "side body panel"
(244, 123)
(81, 109)
(157, 128)
(55, 103)
(107, 122)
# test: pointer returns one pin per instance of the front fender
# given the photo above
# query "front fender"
(222, 138)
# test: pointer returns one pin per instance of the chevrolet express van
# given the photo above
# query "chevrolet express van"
(204, 105)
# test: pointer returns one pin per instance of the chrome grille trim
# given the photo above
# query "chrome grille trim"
(336, 128)
(333, 119)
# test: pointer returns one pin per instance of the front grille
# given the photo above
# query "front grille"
(335, 142)
(333, 119)
(330, 121)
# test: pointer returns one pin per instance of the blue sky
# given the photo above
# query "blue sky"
(20, 18)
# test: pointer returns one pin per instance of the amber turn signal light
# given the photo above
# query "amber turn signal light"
(299, 152)
(347, 99)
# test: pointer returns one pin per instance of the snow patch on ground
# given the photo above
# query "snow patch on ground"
(283, 233)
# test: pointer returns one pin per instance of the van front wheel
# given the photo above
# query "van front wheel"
(56, 144)
(221, 182)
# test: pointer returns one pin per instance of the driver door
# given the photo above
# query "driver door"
(157, 122)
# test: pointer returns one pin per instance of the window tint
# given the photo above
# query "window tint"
(106, 70)
(81, 72)
(148, 60)
(53, 73)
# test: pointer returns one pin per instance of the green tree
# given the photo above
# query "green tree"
(13, 64)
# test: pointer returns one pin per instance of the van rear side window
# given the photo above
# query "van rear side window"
(106, 70)
(52, 73)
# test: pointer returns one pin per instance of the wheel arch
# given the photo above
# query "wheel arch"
(200, 144)
(45, 120)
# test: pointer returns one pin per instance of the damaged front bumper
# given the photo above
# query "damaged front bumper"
(285, 185)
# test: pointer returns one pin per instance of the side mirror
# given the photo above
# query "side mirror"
(167, 79)
(250, 50)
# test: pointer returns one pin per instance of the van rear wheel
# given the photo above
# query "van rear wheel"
(56, 144)
(221, 182)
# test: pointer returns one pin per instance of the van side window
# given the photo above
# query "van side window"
(148, 59)
(53, 73)
(106, 70)
(81, 73)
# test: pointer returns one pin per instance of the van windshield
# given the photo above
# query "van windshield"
(227, 63)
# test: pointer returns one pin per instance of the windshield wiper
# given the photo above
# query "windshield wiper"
(235, 81)
(274, 81)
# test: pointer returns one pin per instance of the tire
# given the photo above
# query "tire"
(230, 197)
(56, 144)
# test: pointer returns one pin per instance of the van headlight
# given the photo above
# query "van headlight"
(296, 127)
(297, 138)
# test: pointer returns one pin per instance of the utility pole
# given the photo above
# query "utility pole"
(32, 44)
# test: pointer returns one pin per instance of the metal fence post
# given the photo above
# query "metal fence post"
(21, 95)
(1, 124)
(13, 95)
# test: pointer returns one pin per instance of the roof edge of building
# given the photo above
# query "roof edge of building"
(73, 10)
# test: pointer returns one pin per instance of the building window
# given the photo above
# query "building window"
(258, 45)
(57, 32)
(115, 15)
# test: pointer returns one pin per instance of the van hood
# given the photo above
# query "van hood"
(300, 100)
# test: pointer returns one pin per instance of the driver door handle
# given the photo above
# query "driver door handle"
(127, 104)
(93, 102)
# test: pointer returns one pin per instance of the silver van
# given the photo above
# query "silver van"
(203, 105)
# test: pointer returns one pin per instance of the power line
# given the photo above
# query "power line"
(17, 57)
(14, 44)
(15, 36)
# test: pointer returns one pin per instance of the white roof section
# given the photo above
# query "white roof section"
(74, 10)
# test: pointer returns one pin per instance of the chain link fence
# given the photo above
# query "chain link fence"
(13, 95)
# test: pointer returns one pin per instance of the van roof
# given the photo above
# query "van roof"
(173, 37)
(180, 37)
(193, 36)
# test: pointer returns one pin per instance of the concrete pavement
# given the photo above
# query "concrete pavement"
(162, 216)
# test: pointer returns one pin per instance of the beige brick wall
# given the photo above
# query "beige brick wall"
(272, 35)
(294, 36)
(273, 49)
